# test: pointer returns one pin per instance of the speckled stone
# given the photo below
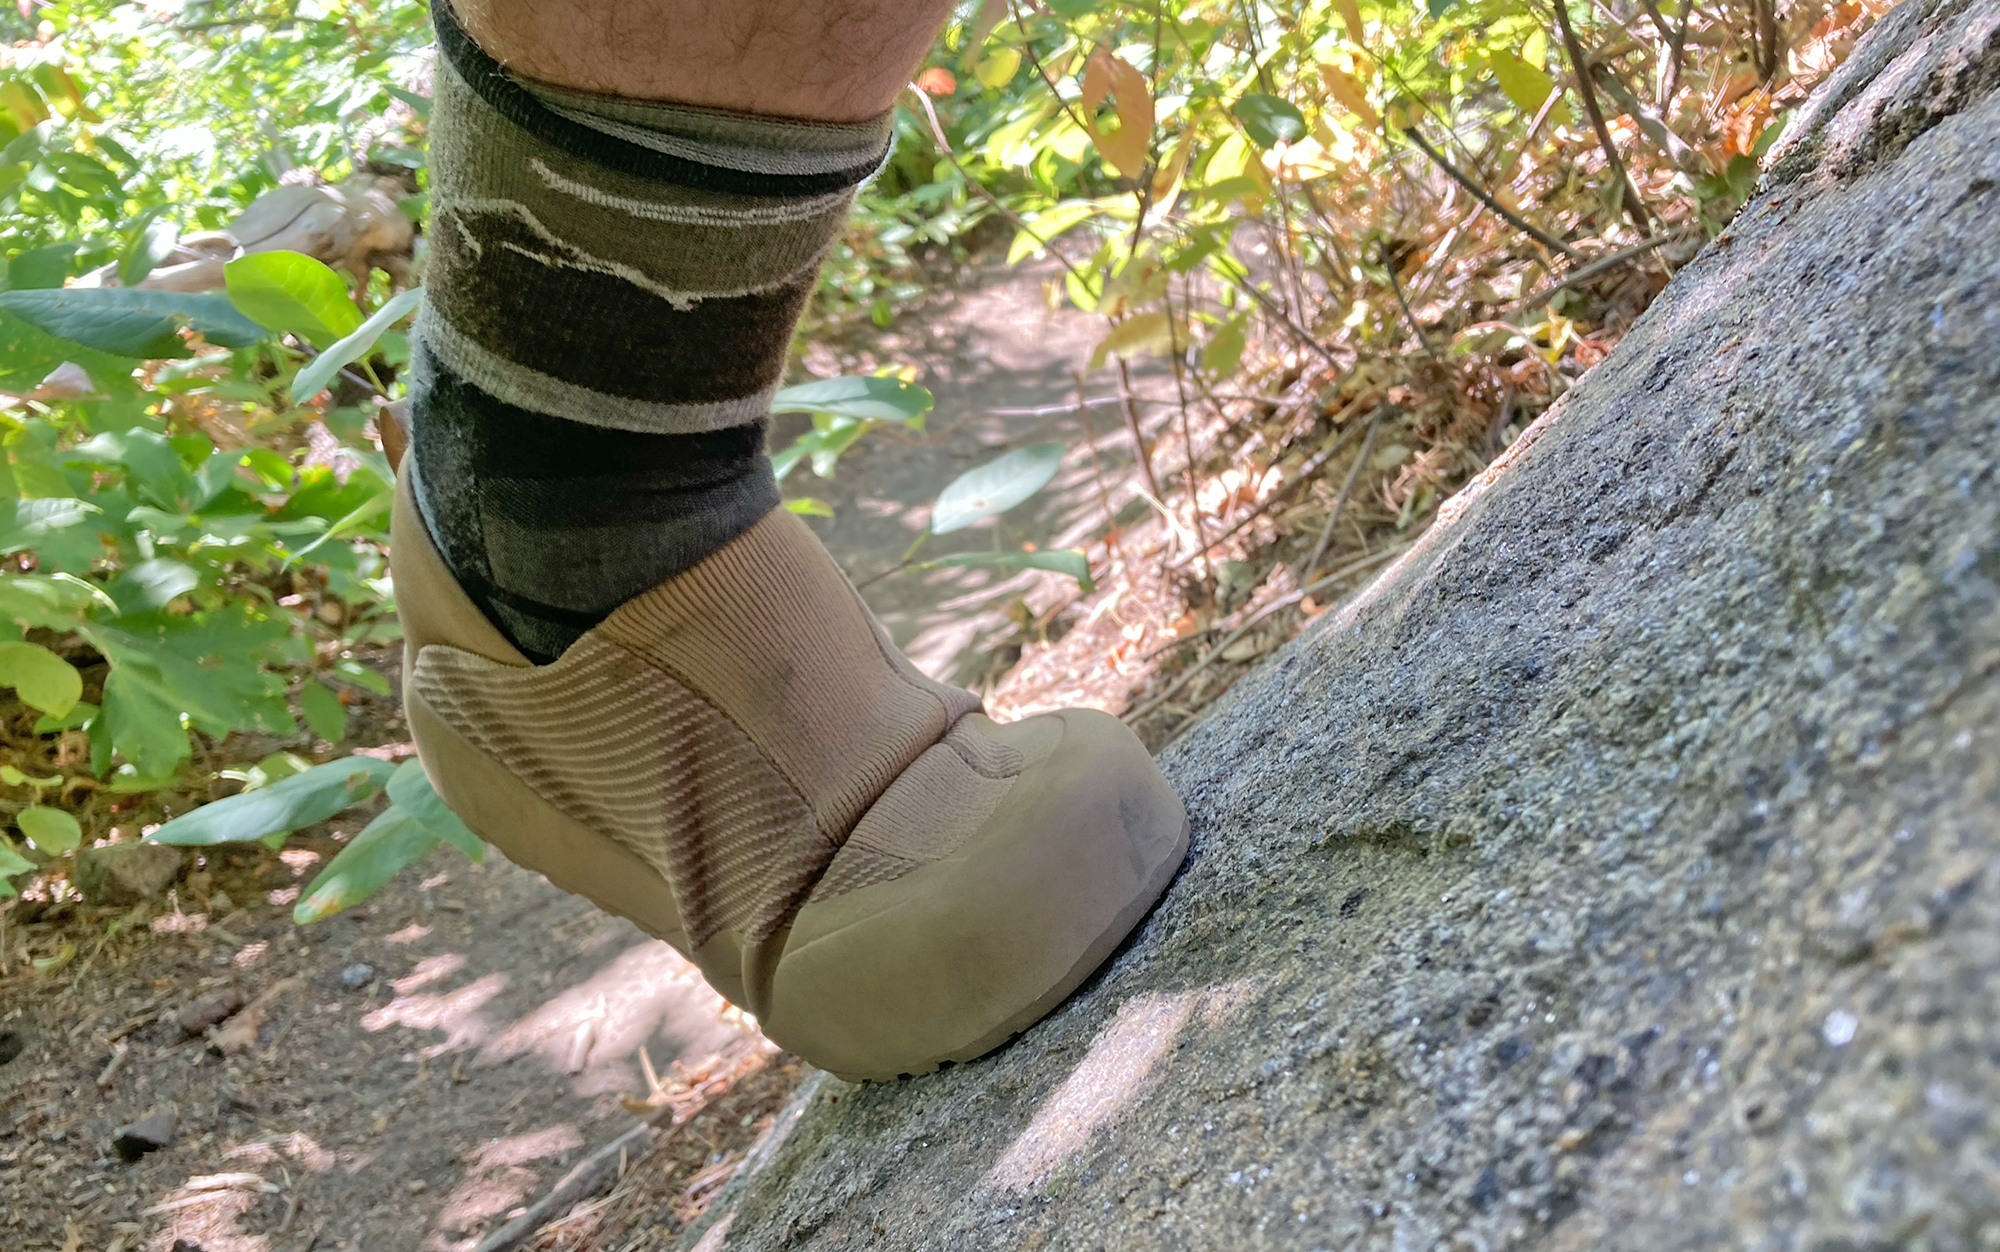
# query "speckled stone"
(1624, 871)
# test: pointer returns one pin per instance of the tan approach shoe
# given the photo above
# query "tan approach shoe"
(741, 763)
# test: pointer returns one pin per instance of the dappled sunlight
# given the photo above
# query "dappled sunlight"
(456, 1013)
(429, 970)
(295, 1149)
(1111, 1078)
(1114, 1075)
(210, 1210)
(501, 1176)
(594, 1029)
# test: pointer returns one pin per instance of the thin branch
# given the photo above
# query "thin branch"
(1581, 65)
(1597, 267)
(1028, 46)
(1346, 490)
(1508, 215)
(944, 146)
(1187, 435)
(1389, 267)
(1097, 470)
(1677, 149)
(1132, 424)
(1281, 603)
(1303, 476)
(1278, 311)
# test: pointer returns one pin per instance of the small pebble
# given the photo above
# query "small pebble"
(358, 975)
(149, 1134)
(1840, 1027)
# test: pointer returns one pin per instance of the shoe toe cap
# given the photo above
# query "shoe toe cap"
(948, 960)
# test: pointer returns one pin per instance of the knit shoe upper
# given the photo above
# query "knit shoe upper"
(746, 736)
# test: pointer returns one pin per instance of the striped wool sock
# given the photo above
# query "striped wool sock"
(609, 299)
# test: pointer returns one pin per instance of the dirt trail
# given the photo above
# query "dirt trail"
(439, 1057)
(1003, 368)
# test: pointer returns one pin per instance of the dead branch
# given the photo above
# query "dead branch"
(1581, 65)
(1507, 215)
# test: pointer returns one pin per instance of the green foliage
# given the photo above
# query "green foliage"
(995, 487)
(164, 498)
(1070, 561)
(290, 804)
(52, 831)
(843, 410)
(125, 322)
(383, 849)
(315, 376)
(293, 294)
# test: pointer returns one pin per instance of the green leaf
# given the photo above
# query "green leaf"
(40, 268)
(1225, 349)
(352, 671)
(50, 830)
(995, 487)
(12, 862)
(1268, 120)
(154, 584)
(151, 244)
(421, 104)
(42, 679)
(320, 370)
(56, 601)
(870, 399)
(410, 789)
(285, 806)
(807, 506)
(32, 521)
(1139, 334)
(1049, 223)
(1069, 561)
(142, 724)
(998, 68)
(1528, 86)
(127, 321)
(392, 841)
(81, 714)
(325, 714)
(292, 293)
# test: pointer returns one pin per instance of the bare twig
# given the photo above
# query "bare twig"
(1097, 469)
(945, 148)
(1278, 311)
(1048, 80)
(1281, 603)
(1303, 477)
(1389, 267)
(1581, 65)
(1677, 149)
(1346, 490)
(1187, 436)
(1132, 424)
(1595, 268)
(1507, 215)
(596, 1172)
(1766, 43)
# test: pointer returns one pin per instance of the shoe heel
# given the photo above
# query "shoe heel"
(506, 813)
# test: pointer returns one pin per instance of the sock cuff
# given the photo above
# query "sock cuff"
(704, 149)
(747, 142)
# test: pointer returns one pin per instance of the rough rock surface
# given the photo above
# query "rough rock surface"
(125, 873)
(1624, 870)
